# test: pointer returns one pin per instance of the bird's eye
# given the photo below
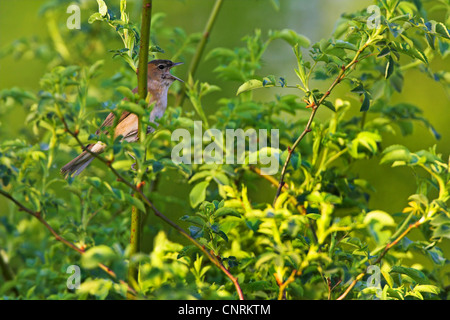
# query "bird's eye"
(161, 66)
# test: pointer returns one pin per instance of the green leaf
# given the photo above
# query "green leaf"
(388, 278)
(397, 81)
(193, 219)
(442, 30)
(195, 232)
(364, 140)
(384, 52)
(102, 8)
(313, 216)
(222, 235)
(137, 109)
(99, 288)
(220, 53)
(416, 294)
(439, 219)
(359, 89)
(410, 51)
(95, 255)
(157, 166)
(123, 13)
(442, 231)
(226, 211)
(396, 153)
(324, 44)
(126, 92)
(251, 85)
(96, 17)
(198, 193)
(427, 288)
(137, 203)
(389, 67)
(431, 39)
(416, 275)
(95, 181)
(381, 217)
(345, 45)
(301, 71)
(253, 224)
(221, 178)
(200, 175)
(265, 258)
(291, 37)
(95, 67)
(366, 102)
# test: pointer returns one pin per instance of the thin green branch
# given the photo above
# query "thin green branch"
(56, 37)
(201, 47)
(144, 46)
(136, 214)
(331, 288)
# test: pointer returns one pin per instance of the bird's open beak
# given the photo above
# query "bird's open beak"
(176, 78)
(174, 65)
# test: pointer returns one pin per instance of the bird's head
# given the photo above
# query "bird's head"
(159, 72)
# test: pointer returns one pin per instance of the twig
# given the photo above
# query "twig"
(59, 238)
(293, 200)
(314, 107)
(210, 256)
(381, 256)
(271, 179)
(180, 230)
(200, 48)
(38, 216)
(135, 188)
(283, 285)
(231, 277)
(330, 288)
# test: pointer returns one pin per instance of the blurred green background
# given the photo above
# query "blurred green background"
(314, 19)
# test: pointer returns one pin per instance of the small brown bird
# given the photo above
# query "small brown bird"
(158, 83)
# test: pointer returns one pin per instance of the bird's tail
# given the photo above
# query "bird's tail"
(77, 165)
(80, 163)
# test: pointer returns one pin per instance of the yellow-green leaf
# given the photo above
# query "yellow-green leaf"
(102, 8)
(250, 85)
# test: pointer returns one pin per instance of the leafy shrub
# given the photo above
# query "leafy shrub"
(317, 239)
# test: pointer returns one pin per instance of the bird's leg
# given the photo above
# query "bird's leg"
(133, 166)
(150, 129)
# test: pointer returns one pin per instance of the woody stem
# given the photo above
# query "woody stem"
(136, 214)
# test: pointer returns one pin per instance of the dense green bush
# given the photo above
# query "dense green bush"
(317, 239)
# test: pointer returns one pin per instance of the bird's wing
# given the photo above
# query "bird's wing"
(109, 121)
